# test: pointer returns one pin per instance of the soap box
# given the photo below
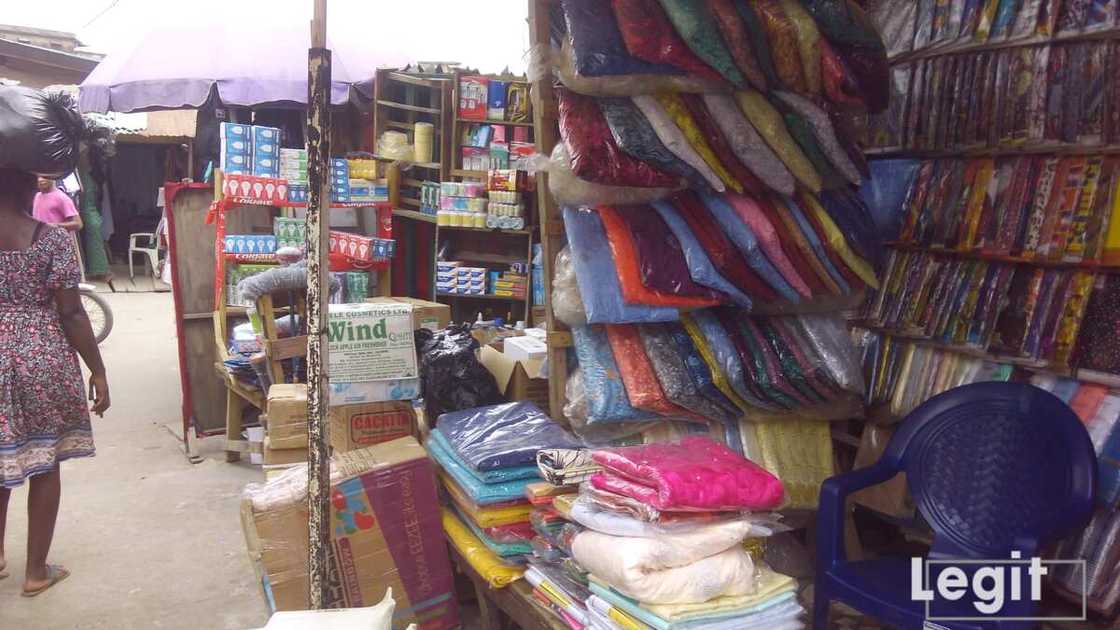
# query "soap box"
(473, 97)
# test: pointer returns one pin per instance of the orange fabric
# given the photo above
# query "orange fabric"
(1087, 401)
(629, 275)
(642, 387)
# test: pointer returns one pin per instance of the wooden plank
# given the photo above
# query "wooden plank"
(514, 601)
(286, 348)
(435, 83)
(552, 241)
(409, 108)
(412, 214)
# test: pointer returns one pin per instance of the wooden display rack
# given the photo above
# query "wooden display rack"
(239, 398)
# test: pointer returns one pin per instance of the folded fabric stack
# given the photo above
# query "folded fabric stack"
(487, 459)
(661, 532)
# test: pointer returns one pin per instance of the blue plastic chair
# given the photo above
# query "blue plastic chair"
(992, 467)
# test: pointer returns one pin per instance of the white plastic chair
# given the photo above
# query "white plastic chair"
(149, 249)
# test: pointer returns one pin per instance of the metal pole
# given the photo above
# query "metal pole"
(318, 285)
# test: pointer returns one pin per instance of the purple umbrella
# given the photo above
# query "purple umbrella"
(178, 65)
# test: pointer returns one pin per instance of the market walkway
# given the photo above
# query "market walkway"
(153, 541)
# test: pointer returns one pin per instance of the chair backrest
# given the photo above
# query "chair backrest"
(995, 467)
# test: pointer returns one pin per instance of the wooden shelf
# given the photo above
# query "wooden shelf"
(994, 152)
(490, 230)
(414, 215)
(458, 172)
(482, 296)
(420, 81)
(406, 163)
(435, 111)
(957, 48)
(338, 205)
(467, 121)
(1089, 266)
(487, 257)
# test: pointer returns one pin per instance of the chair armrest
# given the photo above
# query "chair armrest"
(830, 515)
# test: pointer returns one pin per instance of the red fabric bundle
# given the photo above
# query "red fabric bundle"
(839, 85)
(595, 155)
(738, 41)
(650, 36)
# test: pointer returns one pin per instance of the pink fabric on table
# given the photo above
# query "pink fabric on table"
(693, 474)
(767, 235)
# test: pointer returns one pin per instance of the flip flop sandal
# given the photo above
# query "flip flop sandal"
(56, 573)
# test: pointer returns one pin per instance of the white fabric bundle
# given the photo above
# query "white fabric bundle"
(747, 144)
(673, 138)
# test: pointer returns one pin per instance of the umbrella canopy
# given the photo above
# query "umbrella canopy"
(179, 64)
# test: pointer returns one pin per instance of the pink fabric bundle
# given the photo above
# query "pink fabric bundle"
(695, 474)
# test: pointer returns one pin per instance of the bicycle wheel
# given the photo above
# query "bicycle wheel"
(100, 315)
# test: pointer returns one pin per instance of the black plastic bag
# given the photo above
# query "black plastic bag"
(39, 131)
(451, 377)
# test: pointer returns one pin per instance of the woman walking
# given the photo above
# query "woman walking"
(44, 418)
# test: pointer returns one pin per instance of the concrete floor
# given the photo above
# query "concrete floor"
(152, 540)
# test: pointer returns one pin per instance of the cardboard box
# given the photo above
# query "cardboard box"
(287, 415)
(358, 426)
(519, 380)
(474, 96)
(374, 391)
(425, 314)
(283, 456)
(371, 342)
(385, 532)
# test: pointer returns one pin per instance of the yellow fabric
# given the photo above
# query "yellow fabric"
(706, 353)
(799, 239)
(808, 43)
(624, 620)
(977, 200)
(484, 516)
(770, 125)
(563, 504)
(840, 244)
(799, 452)
(481, 559)
(770, 585)
(1112, 241)
(683, 119)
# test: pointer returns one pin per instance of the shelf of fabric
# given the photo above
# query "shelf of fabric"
(994, 152)
(968, 47)
(1089, 266)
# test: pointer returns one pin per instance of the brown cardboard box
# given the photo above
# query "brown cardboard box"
(287, 415)
(283, 456)
(359, 426)
(425, 314)
(519, 380)
(385, 533)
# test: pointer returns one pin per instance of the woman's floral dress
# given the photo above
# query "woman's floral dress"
(43, 414)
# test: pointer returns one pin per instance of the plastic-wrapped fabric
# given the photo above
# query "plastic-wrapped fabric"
(599, 433)
(768, 360)
(852, 216)
(671, 370)
(566, 301)
(796, 248)
(661, 258)
(824, 133)
(808, 44)
(674, 139)
(760, 44)
(597, 43)
(606, 394)
(721, 252)
(896, 20)
(502, 549)
(784, 46)
(840, 85)
(599, 286)
(573, 191)
(747, 145)
(720, 145)
(479, 493)
(749, 212)
(502, 436)
(872, 72)
(619, 503)
(829, 339)
(793, 234)
(793, 363)
(850, 125)
(837, 241)
(674, 106)
(759, 378)
(642, 387)
(566, 466)
(650, 36)
(845, 22)
(545, 61)
(700, 267)
(40, 131)
(627, 262)
(772, 586)
(594, 154)
(485, 562)
(802, 133)
(636, 136)
(699, 30)
(745, 240)
(771, 126)
(451, 376)
(885, 192)
(497, 515)
(594, 517)
(695, 474)
(678, 569)
(724, 352)
(839, 262)
(719, 378)
(496, 475)
(716, 405)
(737, 40)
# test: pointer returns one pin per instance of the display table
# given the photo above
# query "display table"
(506, 608)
